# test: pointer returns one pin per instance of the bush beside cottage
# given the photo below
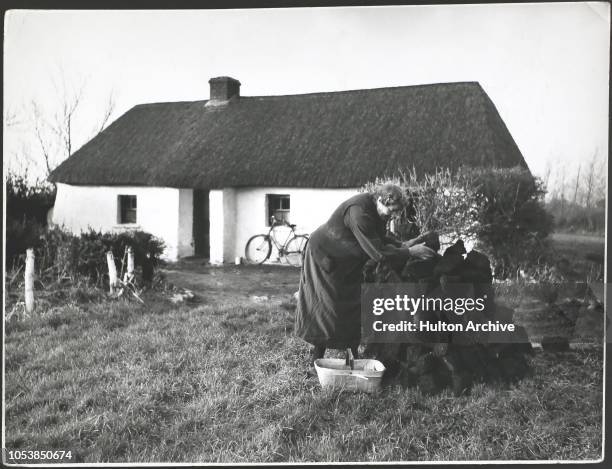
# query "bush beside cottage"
(27, 205)
(499, 211)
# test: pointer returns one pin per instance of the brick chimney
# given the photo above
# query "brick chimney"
(222, 89)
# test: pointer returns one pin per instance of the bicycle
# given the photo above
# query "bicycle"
(259, 247)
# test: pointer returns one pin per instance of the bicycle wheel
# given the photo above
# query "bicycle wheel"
(258, 249)
(294, 249)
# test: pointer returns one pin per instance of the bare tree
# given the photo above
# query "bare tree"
(40, 128)
(11, 117)
(546, 178)
(108, 112)
(590, 180)
(600, 179)
(576, 186)
(63, 118)
(52, 129)
(561, 188)
(64, 123)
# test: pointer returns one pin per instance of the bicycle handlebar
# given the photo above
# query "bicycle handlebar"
(275, 222)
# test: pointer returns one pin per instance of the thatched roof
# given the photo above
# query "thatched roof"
(339, 139)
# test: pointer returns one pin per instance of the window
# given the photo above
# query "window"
(127, 209)
(278, 207)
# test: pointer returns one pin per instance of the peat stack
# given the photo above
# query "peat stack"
(452, 359)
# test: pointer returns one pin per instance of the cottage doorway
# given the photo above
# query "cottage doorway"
(201, 223)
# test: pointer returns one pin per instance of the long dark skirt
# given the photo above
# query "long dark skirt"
(329, 302)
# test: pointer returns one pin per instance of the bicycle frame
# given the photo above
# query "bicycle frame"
(272, 235)
(259, 247)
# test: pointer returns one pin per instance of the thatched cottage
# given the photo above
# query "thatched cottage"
(207, 175)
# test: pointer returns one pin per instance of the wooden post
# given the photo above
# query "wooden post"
(112, 271)
(29, 281)
(129, 274)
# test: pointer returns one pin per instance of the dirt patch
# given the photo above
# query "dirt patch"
(218, 284)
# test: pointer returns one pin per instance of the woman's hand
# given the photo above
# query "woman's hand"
(430, 238)
(420, 251)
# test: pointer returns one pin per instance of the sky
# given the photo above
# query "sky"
(545, 66)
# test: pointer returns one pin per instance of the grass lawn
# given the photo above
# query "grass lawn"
(223, 380)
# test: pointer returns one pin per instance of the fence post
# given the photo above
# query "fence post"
(129, 274)
(29, 281)
(112, 271)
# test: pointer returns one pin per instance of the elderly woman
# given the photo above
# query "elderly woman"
(328, 307)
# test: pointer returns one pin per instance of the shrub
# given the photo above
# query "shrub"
(513, 224)
(63, 255)
(145, 246)
(440, 201)
(501, 208)
(26, 214)
(21, 234)
(31, 201)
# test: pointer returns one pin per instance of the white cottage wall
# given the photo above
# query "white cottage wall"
(235, 214)
(185, 223)
(78, 208)
(309, 209)
(231, 221)
(222, 230)
(216, 225)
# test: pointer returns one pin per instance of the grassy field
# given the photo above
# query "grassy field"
(584, 254)
(223, 380)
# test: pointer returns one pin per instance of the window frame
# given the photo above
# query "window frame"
(270, 210)
(123, 217)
